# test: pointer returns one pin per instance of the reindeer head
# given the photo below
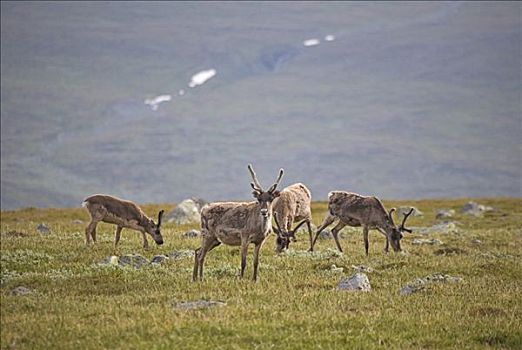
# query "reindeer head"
(153, 229)
(264, 198)
(283, 237)
(395, 233)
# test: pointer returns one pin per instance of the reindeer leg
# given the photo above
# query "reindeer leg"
(327, 222)
(117, 235)
(207, 246)
(309, 226)
(335, 230)
(244, 251)
(256, 259)
(145, 242)
(386, 247)
(365, 235)
(89, 230)
(196, 265)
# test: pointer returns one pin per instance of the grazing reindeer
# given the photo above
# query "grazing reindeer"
(292, 205)
(355, 210)
(121, 213)
(237, 224)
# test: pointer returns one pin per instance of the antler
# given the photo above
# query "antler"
(401, 227)
(277, 223)
(390, 213)
(292, 233)
(276, 183)
(255, 185)
(160, 215)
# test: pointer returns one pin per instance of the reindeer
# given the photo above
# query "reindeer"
(355, 210)
(122, 213)
(292, 205)
(237, 224)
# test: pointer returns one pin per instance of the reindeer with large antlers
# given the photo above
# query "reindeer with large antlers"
(355, 210)
(292, 205)
(237, 224)
(121, 213)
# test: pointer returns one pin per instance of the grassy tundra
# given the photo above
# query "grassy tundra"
(76, 303)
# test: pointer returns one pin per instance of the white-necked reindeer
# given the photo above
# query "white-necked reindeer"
(237, 224)
(292, 205)
(355, 210)
(123, 214)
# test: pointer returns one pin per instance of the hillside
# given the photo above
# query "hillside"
(411, 100)
(75, 299)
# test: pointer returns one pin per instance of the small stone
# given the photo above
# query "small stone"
(159, 259)
(445, 213)
(43, 229)
(325, 234)
(475, 209)
(336, 269)
(357, 282)
(420, 283)
(134, 260)
(432, 241)
(77, 222)
(198, 304)
(476, 241)
(401, 211)
(181, 254)
(408, 289)
(192, 234)
(21, 290)
(362, 268)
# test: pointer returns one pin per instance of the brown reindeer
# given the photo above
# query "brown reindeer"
(355, 210)
(237, 224)
(292, 205)
(123, 214)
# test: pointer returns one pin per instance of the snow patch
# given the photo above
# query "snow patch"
(311, 42)
(201, 77)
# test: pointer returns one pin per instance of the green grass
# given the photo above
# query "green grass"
(294, 305)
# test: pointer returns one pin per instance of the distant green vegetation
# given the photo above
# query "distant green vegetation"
(76, 303)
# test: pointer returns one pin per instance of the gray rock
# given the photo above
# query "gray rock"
(133, 260)
(198, 304)
(110, 260)
(77, 222)
(420, 283)
(186, 212)
(443, 227)
(192, 234)
(21, 290)
(476, 241)
(43, 229)
(431, 241)
(181, 254)
(325, 234)
(401, 211)
(159, 259)
(357, 282)
(408, 289)
(475, 209)
(362, 268)
(445, 213)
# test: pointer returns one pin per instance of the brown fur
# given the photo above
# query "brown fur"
(237, 224)
(355, 210)
(123, 214)
(292, 205)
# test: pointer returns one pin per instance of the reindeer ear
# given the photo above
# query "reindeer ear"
(276, 194)
(160, 215)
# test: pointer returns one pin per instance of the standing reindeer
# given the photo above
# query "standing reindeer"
(355, 210)
(124, 214)
(237, 224)
(292, 205)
